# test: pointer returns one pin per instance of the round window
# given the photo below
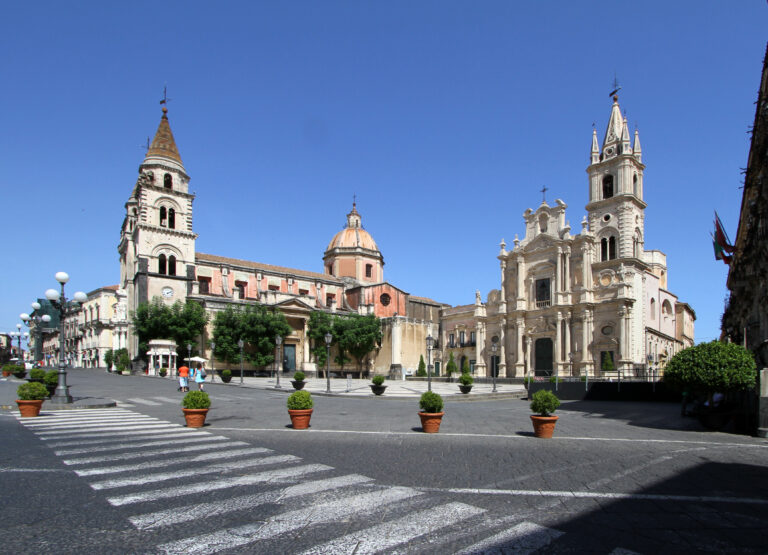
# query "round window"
(607, 330)
(607, 218)
(385, 299)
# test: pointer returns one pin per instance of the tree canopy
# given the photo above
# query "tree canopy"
(320, 323)
(353, 334)
(256, 325)
(712, 367)
(450, 368)
(182, 322)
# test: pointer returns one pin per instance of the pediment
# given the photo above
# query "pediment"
(295, 304)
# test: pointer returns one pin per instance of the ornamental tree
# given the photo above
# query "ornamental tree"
(256, 325)
(450, 368)
(712, 367)
(422, 371)
(182, 322)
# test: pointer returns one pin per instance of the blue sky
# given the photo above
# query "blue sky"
(444, 118)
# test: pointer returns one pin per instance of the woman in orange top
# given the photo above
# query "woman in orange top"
(183, 379)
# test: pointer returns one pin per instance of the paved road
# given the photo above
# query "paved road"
(618, 478)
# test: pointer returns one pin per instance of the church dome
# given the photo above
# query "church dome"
(353, 236)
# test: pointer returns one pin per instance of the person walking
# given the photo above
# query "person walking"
(198, 373)
(184, 379)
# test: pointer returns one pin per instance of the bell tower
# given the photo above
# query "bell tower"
(616, 209)
(157, 244)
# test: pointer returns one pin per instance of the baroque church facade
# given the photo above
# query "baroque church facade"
(566, 302)
(158, 259)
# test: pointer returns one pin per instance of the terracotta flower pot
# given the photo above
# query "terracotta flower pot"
(195, 417)
(29, 408)
(300, 418)
(6, 373)
(543, 426)
(298, 384)
(430, 421)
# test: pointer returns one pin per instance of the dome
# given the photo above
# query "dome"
(353, 236)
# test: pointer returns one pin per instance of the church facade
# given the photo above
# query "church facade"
(595, 302)
(158, 259)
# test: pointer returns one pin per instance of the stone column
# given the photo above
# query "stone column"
(528, 357)
(520, 360)
(502, 368)
(586, 357)
(557, 359)
(622, 338)
(558, 276)
(567, 285)
(567, 322)
(480, 367)
(586, 272)
(396, 345)
(521, 292)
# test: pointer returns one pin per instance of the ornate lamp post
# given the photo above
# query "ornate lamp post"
(278, 343)
(38, 320)
(430, 342)
(17, 335)
(241, 344)
(494, 348)
(213, 371)
(59, 301)
(328, 339)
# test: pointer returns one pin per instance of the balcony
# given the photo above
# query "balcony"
(543, 304)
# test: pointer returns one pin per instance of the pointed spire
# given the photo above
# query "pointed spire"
(164, 145)
(625, 147)
(613, 131)
(637, 149)
(595, 147)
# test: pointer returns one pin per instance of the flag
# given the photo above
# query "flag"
(719, 253)
(721, 236)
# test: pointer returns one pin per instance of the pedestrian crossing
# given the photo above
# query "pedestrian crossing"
(245, 498)
(159, 400)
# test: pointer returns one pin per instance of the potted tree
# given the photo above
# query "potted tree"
(7, 370)
(36, 375)
(51, 380)
(300, 409)
(378, 386)
(465, 382)
(163, 372)
(431, 412)
(544, 403)
(195, 407)
(30, 398)
(298, 380)
(20, 372)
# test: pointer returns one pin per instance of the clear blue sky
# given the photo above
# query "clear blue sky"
(445, 118)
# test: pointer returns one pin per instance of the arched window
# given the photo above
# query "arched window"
(171, 265)
(163, 216)
(543, 220)
(608, 186)
(172, 218)
(162, 266)
(611, 247)
(603, 249)
(653, 309)
(634, 185)
(168, 181)
(666, 309)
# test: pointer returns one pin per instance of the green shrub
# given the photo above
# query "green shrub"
(37, 374)
(163, 372)
(712, 367)
(226, 375)
(466, 379)
(32, 391)
(583, 377)
(422, 370)
(450, 368)
(300, 400)
(51, 377)
(555, 379)
(20, 372)
(378, 380)
(431, 402)
(196, 400)
(465, 367)
(299, 376)
(528, 380)
(544, 402)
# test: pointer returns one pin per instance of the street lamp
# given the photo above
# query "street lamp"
(59, 301)
(241, 344)
(328, 339)
(430, 342)
(38, 320)
(278, 342)
(213, 370)
(494, 371)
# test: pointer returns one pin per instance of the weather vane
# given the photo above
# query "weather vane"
(165, 99)
(616, 87)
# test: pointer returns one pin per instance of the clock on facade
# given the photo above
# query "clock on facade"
(167, 292)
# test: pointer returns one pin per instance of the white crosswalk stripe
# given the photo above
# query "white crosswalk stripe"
(160, 470)
(144, 402)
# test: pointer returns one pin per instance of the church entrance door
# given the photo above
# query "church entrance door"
(289, 358)
(544, 353)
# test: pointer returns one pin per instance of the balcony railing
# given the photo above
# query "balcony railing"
(543, 304)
